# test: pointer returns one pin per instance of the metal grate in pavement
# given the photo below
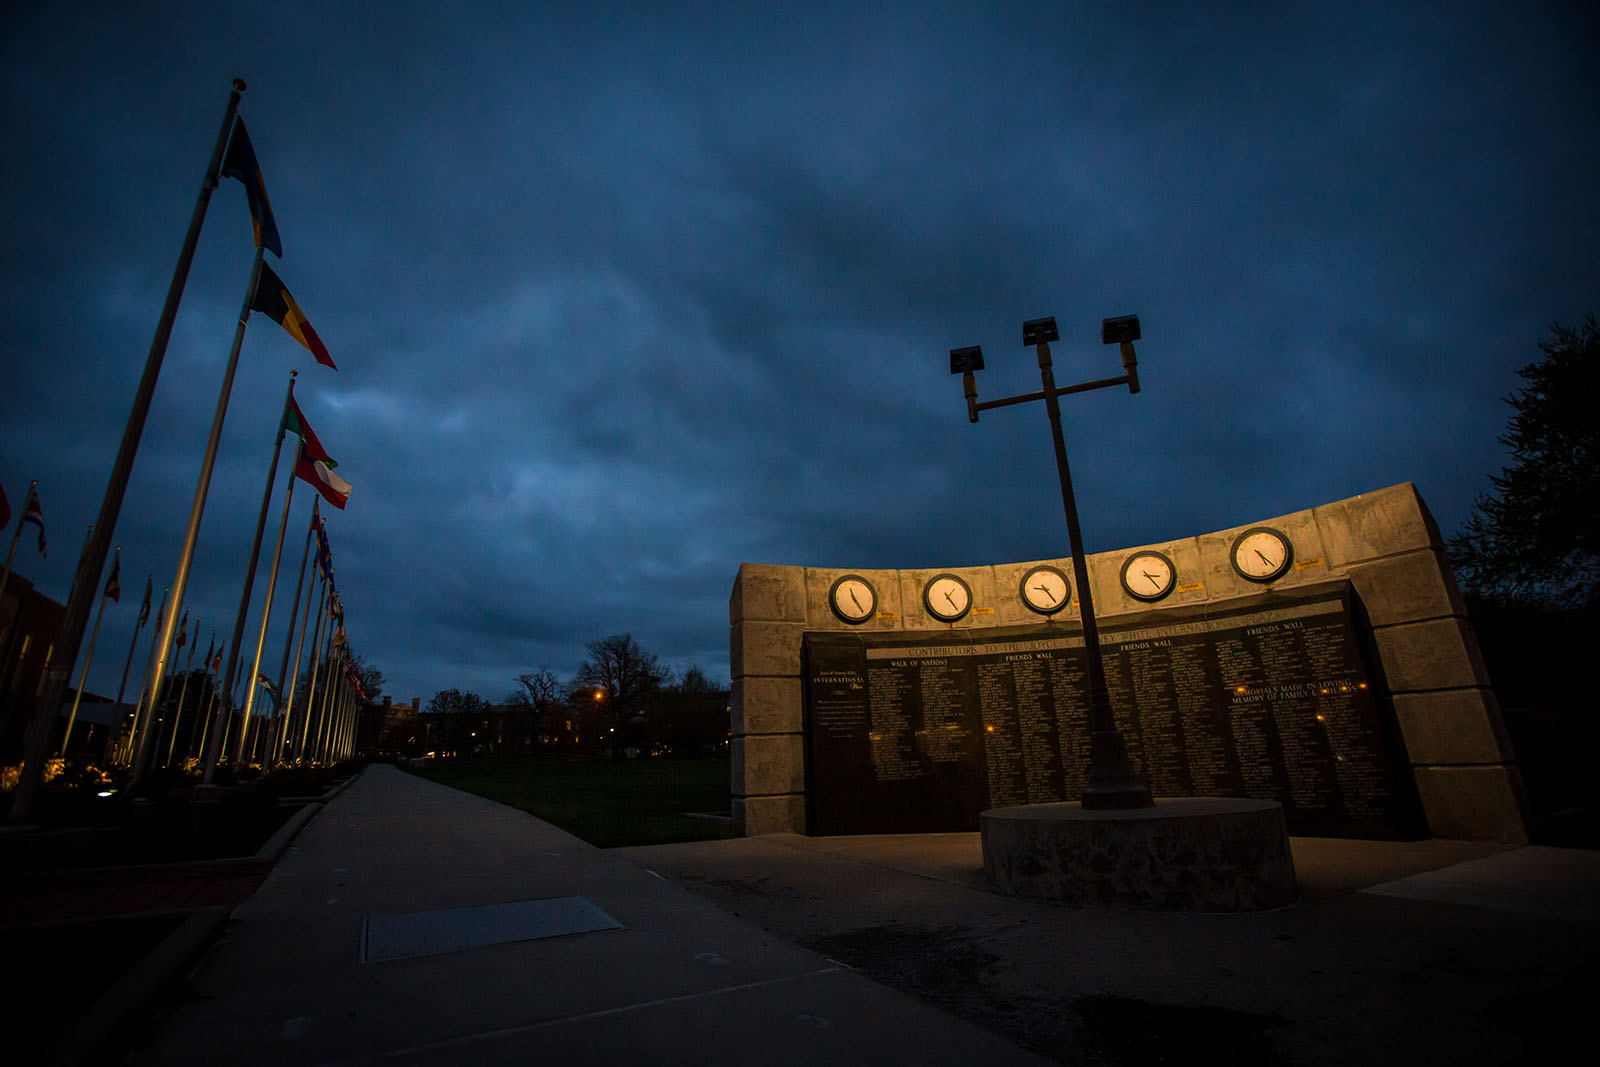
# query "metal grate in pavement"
(428, 933)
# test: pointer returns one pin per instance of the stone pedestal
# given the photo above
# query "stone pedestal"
(1184, 854)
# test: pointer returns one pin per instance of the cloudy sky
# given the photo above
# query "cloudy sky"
(623, 295)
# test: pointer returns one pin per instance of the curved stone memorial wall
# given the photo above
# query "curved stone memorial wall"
(1348, 687)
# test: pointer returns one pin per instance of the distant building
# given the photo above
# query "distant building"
(29, 623)
(400, 729)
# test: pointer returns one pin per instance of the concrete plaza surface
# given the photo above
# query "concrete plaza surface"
(788, 949)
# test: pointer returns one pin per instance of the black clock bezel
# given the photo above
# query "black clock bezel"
(1283, 568)
(927, 604)
(1149, 598)
(833, 602)
(1022, 590)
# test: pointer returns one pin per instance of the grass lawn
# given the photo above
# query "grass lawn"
(632, 802)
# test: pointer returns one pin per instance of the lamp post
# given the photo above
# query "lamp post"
(1113, 783)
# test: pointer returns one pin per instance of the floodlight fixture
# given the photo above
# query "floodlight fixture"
(1040, 331)
(966, 360)
(1120, 329)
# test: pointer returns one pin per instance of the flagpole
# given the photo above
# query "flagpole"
(144, 614)
(191, 535)
(311, 675)
(163, 691)
(320, 674)
(315, 686)
(211, 701)
(329, 673)
(347, 697)
(281, 716)
(77, 609)
(277, 551)
(294, 676)
(342, 703)
(272, 584)
(214, 752)
(16, 539)
(83, 676)
(139, 715)
(183, 693)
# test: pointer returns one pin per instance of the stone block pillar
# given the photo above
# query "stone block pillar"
(767, 616)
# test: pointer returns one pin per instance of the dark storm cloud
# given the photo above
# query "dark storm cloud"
(625, 297)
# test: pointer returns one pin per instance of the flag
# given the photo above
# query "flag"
(240, 163)
(113, 583)
(334, 489)
(144, 609)
(266, 683)
(324, 555)
(355, 680)
(211, 648)
(183, 629)
(216, 664)
(35, 515)
(295, 422)
(272, 299)
(5, 507)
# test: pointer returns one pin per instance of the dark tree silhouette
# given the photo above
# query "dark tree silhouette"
(1535, 538)
(533, 706)
(371, 678)
(456, 722)
(626, 676)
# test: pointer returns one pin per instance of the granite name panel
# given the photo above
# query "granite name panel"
(909, 733)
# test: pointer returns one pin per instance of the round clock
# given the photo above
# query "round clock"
(853, 599)
(947, 597)
(1148, 575)
(1261, 554)
(1045, 590)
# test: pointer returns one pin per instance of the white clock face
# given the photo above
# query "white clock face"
(1261, 554)
(853, 599)
(1045, 590)
(947, 598)
(1147, 575)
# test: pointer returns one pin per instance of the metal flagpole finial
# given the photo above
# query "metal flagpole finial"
(239, 85)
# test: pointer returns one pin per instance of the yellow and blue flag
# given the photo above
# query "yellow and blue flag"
(240, 163)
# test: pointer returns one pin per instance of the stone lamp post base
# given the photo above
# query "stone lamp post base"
(1183, 854)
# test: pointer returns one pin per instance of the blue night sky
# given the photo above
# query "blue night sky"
(623, 298)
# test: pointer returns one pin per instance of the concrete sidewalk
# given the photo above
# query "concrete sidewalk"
(789, 949)
(1396, 953)
(678, 980)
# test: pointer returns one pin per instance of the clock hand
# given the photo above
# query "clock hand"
(1264, 559)
(1152, 578)
(1045, 589)
(950, 598)
(857, 602)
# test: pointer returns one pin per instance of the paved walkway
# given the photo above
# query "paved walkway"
(794, 950)
(681, 981)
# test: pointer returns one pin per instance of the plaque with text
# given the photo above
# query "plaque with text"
(1269, 699)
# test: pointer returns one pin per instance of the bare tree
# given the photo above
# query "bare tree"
(371, 677)
(624, 675)
(538, 696)
(455, 721)
(692, 679)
